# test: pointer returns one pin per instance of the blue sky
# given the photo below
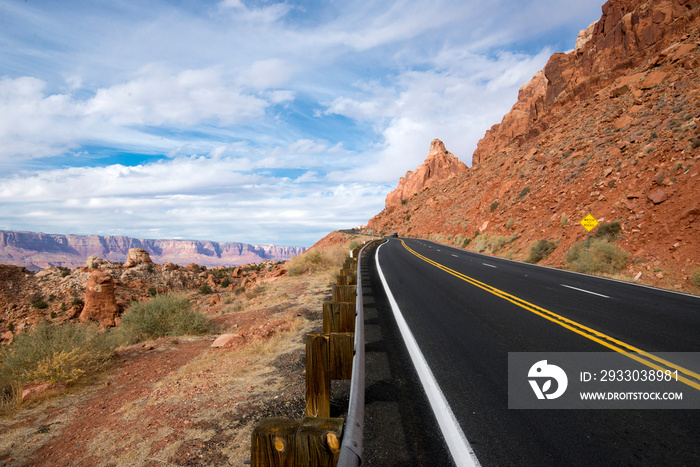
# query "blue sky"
(249, 121)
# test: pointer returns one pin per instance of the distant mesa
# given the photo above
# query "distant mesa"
(37, 251)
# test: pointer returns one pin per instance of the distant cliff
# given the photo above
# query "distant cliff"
(39, 250)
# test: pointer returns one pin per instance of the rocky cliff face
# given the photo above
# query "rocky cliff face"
(610, 129)
(628, 32)
(439, 166)
(38, 250)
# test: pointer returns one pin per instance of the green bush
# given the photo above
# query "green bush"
(51, 353)
(524, 192)
(540, 250)
(494, 205)
(205, 289)
(601, 257)
(608, 231)
(40, 305)
(161, 316)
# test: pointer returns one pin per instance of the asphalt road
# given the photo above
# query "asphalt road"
(467, 312)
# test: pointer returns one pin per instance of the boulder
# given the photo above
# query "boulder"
(100, 301)
(658, 196)
(38, 390)
(7, 338)
(137, 256)
(94, 261)
(226, 341)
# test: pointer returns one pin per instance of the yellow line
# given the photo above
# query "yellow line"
(589, 333)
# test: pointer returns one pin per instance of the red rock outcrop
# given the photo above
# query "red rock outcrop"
(439, 166)
(628, 32)
(610, 129)
(100, 300)
(137, 256)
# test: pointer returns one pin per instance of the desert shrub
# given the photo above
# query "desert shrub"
(608, 231)
(497, 242)
(494, 205)
(486, 242)
(152, 291)
(51, 353)
(205, 289)
(540, 250)
(695, 277)
(564, 220)
(481, 243)
(524, 192)
(318, 261)
(602, 257)
(510, 223)
(40, 305)
(225, 283)
(466, 242)
(77, 301)
(161, 316)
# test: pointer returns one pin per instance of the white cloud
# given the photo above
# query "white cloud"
(267, 115)
(186, 98)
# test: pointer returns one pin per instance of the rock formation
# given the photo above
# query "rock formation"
(608, 129)
(627, 33)
(100, 300)
(439, 166)
(137, 256)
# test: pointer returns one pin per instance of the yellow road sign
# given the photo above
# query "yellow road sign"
(589, 222)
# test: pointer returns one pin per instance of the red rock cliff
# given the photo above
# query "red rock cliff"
(628, 33)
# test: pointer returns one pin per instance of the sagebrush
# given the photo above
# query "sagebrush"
(601, 257)
(161, 316)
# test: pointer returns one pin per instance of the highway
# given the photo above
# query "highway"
(466, 313)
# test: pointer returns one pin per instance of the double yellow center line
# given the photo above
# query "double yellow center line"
(686, 376)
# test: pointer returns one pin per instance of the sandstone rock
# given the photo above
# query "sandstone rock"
(168, 266)
(439, 166)
(94, 262)
(7, 338)
(227, 340)
(100, 301)
(37, 390)
(137, 256)
(658, 196)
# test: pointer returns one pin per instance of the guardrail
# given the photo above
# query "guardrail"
(337, 353)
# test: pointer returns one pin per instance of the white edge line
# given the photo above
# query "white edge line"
(490, 265)
(461, 450)
(584, 290)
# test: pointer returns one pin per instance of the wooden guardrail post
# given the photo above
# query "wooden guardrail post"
(318, 378)
(342, 350)
(345, 293)
(338, 317)
(318, 442)
(280, 442)
(273, 442)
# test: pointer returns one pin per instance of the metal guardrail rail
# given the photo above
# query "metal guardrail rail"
(351, 447)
